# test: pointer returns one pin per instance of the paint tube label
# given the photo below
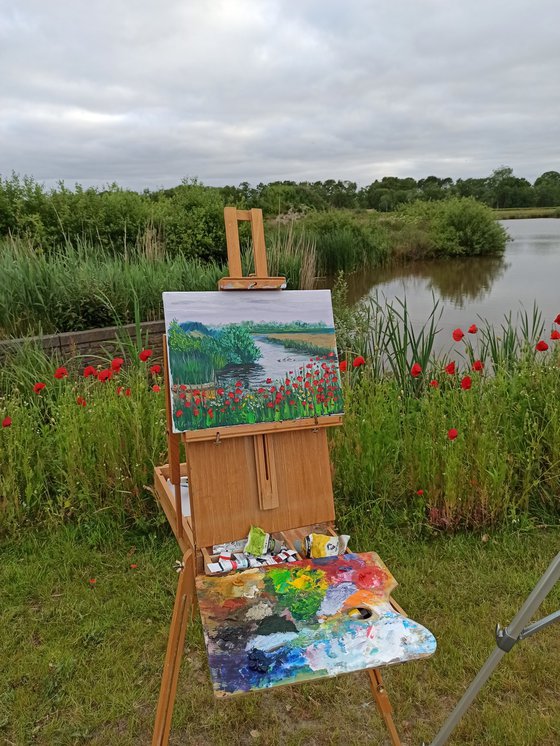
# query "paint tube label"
(214, 567)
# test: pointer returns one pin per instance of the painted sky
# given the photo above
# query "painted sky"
(216, 309)
(147, 93)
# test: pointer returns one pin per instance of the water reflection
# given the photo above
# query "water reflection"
(456, 280)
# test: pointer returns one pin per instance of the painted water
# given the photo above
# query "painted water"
(473, 288)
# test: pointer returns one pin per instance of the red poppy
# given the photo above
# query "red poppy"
(127, 392)
(211, 413)
(269, 380)
(60, 373)
(155, 369)
(220, 392)
(434, 384)
(358, 361)
(133, 566)
(179, 413)
(458, 334)
(555, 334)
(183, 387)
(419, 492)
(145, 355)
(416, 370)
(450, 368)
(478, 365)
(541, 346)
(270, 404)
(80, 401)
(117, 363)
(473, 328)
(39, 387)
(92, 581)
(89, 370)
(196, 412)
(557, 319)
(7, 422)
(292, 403)
(105, 375)
(452, 433)
(343, 366)
(120, 389)
(155, 388)
(466, 383)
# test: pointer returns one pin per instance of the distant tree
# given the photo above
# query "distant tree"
(547, 189)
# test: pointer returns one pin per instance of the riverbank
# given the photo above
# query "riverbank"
(85, 615)
(522, 213)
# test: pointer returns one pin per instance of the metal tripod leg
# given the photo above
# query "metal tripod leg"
(505, 640)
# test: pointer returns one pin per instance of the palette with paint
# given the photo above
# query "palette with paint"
(312, 619)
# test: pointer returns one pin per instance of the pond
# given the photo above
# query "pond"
(472, 288)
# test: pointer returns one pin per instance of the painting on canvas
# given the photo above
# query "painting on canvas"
(240, 358)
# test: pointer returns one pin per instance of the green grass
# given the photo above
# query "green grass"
(82, 664)
(514, 213)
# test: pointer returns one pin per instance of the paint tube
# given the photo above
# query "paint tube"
(322, 545)
(214, 567)
(242, 560)
(226, 565)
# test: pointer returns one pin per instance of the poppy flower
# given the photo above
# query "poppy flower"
(220, 392)
(7, 422)
(196, 412)
(80, 401)
(416, 370)
(39, 387)
(127, 392)
(269, 380)
(60, 373)
(343, 366)
(156, 389)
(452, 433)
(419, 492)
(117, 363)
(541, 346)
(105, 375)
(133, 566)
(179, 413)
(473, 328)
(145, 355)
(358, 361)
(155, 369)
(555, 334)
(92, 582)
(89, 370)
(450, 368)
(119, 391)
(557, 319)
(458, 334)
(434, 384)
(478, 365)
(466, 383)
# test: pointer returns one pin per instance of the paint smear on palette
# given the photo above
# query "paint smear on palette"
(311, 619)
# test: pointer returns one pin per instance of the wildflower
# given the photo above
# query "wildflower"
(80, 401)
(478, 365)
(269, 380)
(458, 334)
(156, 389)
(120, 389)
(434, 384)
(452, 433)
(155, 369)
(419, 492)
(473, 328)
(211, 413)
(541, 346)
(145, 355)
(416, 370)
(127, 392)
(358, 361)
(179, 413)
(105, 375)
(220, 392)
(196, 412)
(7, 422)
(557, 319)
(450, 368)
(89, 370)
(39, 387)
(343, 366)
(92, 582)
(133, 566)
(60, 373)
(555, 334)
(116, 364)
(466, 383)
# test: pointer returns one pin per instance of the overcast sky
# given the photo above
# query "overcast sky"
(147, 93)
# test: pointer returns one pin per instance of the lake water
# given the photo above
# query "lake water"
(474, 288)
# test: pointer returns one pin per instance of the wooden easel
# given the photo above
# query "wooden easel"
(273, 475)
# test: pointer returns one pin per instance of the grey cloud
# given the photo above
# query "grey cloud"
(258, 90)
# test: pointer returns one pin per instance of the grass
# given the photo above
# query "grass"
(514, 213)
(82, 663)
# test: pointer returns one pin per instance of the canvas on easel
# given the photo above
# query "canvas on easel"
(252, 385)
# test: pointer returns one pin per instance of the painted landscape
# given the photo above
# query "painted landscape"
(240, 358)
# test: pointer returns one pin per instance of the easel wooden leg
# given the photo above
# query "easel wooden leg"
(383, 704)
(182, 613)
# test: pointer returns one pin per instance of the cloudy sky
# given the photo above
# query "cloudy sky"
(147, 93)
